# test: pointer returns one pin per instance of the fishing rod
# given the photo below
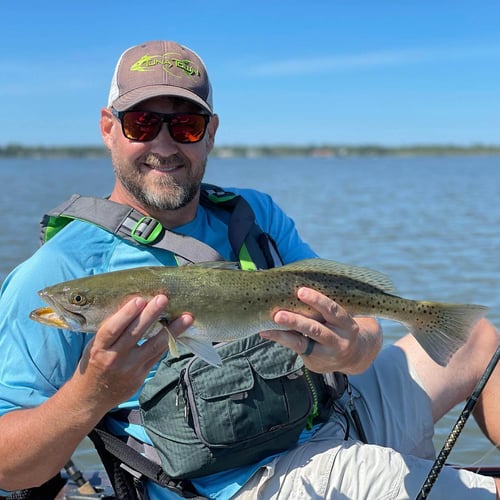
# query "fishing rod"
(457, 429)
(83, 486)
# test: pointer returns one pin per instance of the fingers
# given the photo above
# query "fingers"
(332, 313)
(125, 328)
(332, 317)
(130, 323)
(293, 340)
(325, 340)
(156, 346)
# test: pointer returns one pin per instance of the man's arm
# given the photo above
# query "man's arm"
(37, 442)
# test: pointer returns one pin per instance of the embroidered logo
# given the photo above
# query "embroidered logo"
(169, 62)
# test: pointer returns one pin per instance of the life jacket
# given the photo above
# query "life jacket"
(254, 249)
(251, 246)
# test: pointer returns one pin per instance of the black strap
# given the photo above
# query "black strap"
(130, 457)
(242, 227)
(115, 453)
(47, 491)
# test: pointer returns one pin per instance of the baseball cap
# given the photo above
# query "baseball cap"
(159, 68)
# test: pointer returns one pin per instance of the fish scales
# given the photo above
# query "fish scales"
(250, 300)
(228, 303)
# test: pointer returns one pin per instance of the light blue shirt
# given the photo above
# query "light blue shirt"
(35, 360)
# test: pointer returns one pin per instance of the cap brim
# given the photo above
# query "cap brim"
(134, 97)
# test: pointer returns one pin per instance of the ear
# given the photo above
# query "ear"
(213, 125)
(106, 124)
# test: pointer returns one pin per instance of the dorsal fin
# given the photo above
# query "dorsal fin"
(364, 274)
(217, 264)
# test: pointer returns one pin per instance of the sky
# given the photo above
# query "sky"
(315, 72)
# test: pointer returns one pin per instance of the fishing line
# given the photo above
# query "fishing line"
(482, 459)
(457, 429)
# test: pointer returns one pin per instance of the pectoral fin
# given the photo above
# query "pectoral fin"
(200, 346)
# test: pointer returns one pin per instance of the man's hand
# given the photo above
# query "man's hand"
(115, 363)
(341, 343)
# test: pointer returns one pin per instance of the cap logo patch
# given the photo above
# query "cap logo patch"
(169, 62)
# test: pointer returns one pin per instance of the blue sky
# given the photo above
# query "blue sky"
(284, 72)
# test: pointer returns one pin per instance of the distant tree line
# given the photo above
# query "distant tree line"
(23, 151)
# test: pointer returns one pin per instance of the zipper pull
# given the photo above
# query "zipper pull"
(181, 391)
(178, 388)
(355, 415)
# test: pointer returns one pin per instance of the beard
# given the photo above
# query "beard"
(164, 192)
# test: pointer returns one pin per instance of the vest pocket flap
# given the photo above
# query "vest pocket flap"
(233, 377)
(274, 361)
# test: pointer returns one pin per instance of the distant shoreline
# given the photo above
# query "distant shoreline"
(21, 151)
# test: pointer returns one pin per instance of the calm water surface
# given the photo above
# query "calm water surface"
(431, 224)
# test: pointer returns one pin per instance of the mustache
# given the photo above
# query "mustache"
(157, 160)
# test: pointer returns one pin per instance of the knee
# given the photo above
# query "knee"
(483, 342)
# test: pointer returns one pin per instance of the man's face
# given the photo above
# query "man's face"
(161, 174)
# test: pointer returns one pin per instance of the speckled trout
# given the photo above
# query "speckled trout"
(228, 303)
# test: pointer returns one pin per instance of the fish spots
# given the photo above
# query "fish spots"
(248, 300)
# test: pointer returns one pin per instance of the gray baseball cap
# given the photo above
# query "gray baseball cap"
(159, 68)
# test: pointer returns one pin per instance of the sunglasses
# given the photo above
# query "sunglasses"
(144, 126)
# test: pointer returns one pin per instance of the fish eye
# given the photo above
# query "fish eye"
(78, 299)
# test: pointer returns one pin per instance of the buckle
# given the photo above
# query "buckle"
(146, 230)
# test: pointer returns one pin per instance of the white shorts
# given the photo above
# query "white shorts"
(396, 416)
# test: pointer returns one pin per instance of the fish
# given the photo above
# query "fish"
(228, 303)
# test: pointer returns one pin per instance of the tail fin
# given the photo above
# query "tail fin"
(441, 334)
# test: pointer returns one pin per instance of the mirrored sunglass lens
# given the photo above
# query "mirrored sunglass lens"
(140, 125)
(187, 128)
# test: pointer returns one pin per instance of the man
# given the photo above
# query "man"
(56, 386)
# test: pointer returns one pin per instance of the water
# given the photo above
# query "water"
(431, 224)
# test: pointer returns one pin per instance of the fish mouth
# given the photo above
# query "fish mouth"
(47, 316)
(58, 316)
